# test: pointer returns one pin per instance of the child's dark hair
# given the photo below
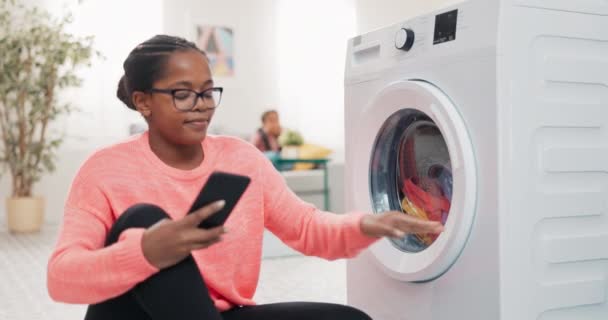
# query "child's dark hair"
(145, 64)
(268, 113)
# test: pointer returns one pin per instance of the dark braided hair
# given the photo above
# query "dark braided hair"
(145, 64)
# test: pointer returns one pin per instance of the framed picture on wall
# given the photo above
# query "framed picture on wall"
(217, 42)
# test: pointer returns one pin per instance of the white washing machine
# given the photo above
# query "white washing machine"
(492, 117)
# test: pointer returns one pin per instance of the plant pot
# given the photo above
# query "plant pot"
(25, 214)
(289, 152)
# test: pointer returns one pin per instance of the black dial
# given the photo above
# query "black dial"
(404, 39)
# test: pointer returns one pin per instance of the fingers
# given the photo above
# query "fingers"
(389, 230)
(397, 224)
(203, 235)
(196, 217)
(411, 224)
(204, 245)
(202, 238)
(195, 238)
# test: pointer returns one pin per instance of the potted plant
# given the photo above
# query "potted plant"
(38, 60)
(290, 141)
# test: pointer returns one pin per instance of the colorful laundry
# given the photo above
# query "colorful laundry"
(413, 210)
(427, 195)
(425, 198)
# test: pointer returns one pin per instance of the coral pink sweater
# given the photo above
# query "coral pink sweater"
(81, 270)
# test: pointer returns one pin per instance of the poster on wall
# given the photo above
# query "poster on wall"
(217, 41)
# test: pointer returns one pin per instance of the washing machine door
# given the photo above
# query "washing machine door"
(421, 164)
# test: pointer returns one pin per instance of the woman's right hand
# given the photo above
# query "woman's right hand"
(168, 242)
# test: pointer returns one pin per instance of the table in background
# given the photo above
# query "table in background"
(280, 164)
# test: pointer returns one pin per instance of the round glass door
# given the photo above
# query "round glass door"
(422, 164)
(411, 172)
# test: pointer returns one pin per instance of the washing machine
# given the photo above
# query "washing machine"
(491, 117)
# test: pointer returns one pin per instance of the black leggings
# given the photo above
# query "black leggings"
(179, 292)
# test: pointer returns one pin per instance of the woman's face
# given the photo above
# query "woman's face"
(186, 69)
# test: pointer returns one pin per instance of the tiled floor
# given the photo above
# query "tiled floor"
(23, 293)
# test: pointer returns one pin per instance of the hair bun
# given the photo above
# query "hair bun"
(122, 93)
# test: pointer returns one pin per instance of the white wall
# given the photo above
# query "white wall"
(118, 27)
(311, 51)
(253, 88)
(311, 47)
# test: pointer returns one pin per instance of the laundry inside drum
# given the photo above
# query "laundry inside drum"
(424, 176)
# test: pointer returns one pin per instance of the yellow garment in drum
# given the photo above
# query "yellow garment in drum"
(415, 211)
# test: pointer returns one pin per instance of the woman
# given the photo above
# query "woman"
(127, 247)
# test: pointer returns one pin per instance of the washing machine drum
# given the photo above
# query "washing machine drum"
(417, 178)
(422, 164)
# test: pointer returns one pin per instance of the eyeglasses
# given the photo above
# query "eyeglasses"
(186, 99)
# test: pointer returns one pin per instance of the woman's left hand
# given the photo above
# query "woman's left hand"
(396, 224)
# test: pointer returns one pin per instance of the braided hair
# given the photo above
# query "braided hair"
(145, 64)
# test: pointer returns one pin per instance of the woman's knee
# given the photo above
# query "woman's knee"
(137, 216)
(142, 215)
(349, 313)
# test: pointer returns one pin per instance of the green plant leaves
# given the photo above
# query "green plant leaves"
(291, 138)
(38, 60)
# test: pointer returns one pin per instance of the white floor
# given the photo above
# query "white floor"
(23, 293)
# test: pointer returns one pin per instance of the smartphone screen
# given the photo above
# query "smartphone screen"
(220, 186)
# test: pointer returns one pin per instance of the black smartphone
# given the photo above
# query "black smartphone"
(220, 186)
